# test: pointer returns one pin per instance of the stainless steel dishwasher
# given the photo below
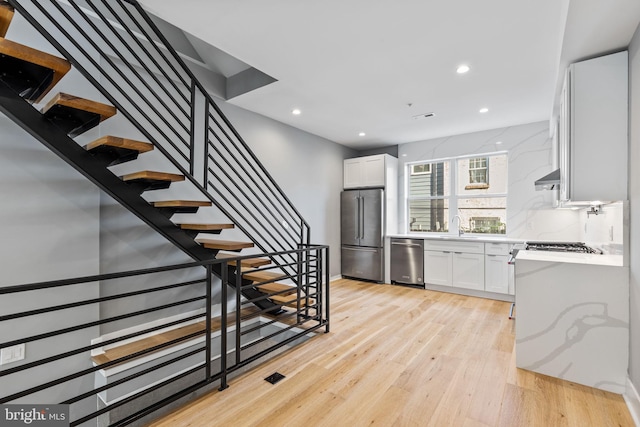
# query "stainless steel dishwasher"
(407, 261)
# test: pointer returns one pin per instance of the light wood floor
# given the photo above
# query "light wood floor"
(399, 356)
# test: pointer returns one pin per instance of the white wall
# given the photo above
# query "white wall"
(634, 208)
(530, 213)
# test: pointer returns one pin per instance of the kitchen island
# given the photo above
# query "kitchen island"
(572, 317)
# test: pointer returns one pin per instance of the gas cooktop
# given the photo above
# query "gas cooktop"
(577, 247)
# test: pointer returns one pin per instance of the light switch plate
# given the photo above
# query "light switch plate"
(12, 354)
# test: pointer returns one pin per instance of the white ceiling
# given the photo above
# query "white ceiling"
(371, 65)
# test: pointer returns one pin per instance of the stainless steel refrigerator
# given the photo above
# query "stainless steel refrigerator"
(362, 234)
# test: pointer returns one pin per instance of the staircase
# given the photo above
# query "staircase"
(28, 76)
(283, 279)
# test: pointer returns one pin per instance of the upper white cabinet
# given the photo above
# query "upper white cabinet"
(370, 171)
(593, 139)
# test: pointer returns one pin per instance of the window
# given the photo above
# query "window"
(429, 191)
(422, 169)
(491, 225)
(458, 186)
(478, 171)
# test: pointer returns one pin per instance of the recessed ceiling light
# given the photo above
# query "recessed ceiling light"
(362, 134)
(463, 69)
(296, 112)
(498, 142)
(484, 110)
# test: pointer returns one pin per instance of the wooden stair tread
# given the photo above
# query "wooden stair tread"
(57, 65)
(164, 337)
(206, 227)
(181, 203)
(153, 176)
(270, 288)
(224, 244)
(291, 300)
(262, 276)
(116, 142)
(249, 262)
(6, 15)
(77, 103)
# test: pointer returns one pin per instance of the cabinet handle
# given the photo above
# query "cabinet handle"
(458, 253)
(491, 255)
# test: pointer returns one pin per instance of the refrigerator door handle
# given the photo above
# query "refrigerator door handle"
(357, 220)
(362, 218)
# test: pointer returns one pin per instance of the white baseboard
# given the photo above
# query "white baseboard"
(632, 398)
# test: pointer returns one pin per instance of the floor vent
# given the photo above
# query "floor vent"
(274, 378)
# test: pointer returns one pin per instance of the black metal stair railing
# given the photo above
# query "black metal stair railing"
(69, 361)
(118, 48)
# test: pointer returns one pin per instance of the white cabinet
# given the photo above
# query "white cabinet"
(593, 140)
(468, 271)
(438, 267)
(368, 171)
(457, 264)
(469, 265)
(497, 271)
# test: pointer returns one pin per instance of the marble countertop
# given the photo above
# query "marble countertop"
(463, 238)
(573, 258)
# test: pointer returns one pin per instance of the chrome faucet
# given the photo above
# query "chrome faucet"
(460, 232)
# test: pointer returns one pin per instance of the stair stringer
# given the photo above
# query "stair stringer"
(95, 169)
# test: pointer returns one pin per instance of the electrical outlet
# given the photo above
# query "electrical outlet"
(12, 354)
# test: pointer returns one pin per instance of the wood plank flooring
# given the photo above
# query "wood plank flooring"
(398, 356)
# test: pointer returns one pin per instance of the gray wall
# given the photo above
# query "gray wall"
(49, 219)
(634, 209)
(392, 150)
(56, 224)
(308, 169)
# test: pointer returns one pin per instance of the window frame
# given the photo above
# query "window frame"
(454, 191)
(444, 197)
(474, 169)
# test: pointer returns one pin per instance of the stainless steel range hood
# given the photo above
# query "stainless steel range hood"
(549, 182)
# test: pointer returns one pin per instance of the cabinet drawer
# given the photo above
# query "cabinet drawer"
(497, 248)
(455, 246)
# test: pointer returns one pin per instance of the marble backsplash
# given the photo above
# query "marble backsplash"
(530, 213)
(608, 229)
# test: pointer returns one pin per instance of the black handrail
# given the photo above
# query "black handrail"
(246, 338)
(118, 48)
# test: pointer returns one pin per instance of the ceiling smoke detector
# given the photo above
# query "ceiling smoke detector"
(424, 116)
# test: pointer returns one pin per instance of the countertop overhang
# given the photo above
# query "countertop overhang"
(572, 258)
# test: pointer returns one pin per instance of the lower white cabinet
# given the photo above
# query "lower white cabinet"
(458, 264)
(468, 265)
(496, 270)
(468, 271)
(438, 267)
